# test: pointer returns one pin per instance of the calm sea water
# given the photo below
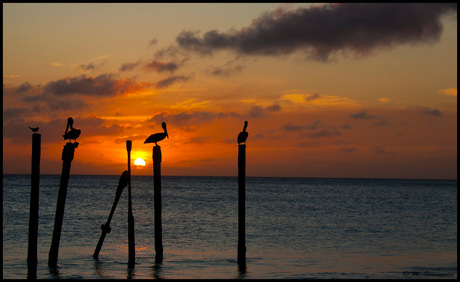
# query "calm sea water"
(295, 228)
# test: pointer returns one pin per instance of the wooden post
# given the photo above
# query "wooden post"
(156, 155)
(241, 205)
(106, 227)
(34, 204)
(67, 157)
(131, 242)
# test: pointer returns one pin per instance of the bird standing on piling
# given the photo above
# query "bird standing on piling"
(35, 129)
(243, 135)
(73, 133)
(154, 138)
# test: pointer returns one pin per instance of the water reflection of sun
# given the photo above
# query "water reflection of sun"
(139, 162)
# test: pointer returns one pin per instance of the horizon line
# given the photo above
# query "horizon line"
(236, 176)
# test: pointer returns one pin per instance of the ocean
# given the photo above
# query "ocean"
(319, 228)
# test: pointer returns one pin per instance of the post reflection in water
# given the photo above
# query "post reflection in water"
(156, 271)
(130, 272)
(101, 271)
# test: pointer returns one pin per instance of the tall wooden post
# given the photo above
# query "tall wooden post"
(34, 204)
(241, 205)
(67, 157)
(156, 155)
(131, 242)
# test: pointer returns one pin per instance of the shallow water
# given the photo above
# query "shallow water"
(295, 228)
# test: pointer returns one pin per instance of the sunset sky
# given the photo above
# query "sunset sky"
(328, 90)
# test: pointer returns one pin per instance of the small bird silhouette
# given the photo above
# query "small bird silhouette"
(154, 138)
(73, 133)
(243, 135)
(35, 129)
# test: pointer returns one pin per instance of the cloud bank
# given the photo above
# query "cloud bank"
(323, 30)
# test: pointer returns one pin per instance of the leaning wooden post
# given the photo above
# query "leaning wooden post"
(156, 155)
(131, 242)
(242, 136)
(106, 227)
(67, 157)
(33, 215)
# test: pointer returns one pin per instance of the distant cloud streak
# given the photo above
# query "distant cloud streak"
(102, 85)
(164, 83)
(362, 115)
(323, 30)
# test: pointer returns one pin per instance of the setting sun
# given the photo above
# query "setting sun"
(139, 162)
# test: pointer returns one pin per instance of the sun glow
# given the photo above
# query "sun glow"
(139, 162)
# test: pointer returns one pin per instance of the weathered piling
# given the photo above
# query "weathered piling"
(241, 258)
(67, 157)
(156, 156)
(241, 205)
(106, 227)
(131, 241)
(34, 207)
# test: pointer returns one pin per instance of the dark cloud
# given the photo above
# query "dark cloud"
(362, 115)
(87, 67)
(90, 66)
(312, 97)
(190, 118)
(430, 112)
(259, 111)
(323, 30)
(225, 70)
(381, 123)
(128, 66)
(158, 66)
(64, 105)
(23, 88)
(274, 108)
(325, 133)
(102, 85)
(13, 113)
(171, 80)
(315, 130)
(289, 127)
(347, 126)
(152, 42)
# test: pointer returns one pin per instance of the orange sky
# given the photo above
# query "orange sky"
(346, 90)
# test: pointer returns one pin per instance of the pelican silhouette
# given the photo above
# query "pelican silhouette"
(243, 135)
(73, 133)
(154, 138)
(35, 129)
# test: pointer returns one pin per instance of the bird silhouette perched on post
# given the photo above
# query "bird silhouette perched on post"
(73, 133)
(243, 134)
(154, 138)
(35, 129)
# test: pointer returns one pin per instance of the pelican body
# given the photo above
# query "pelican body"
(154, 138)
(243, 135)
(35, 129)
(73, 133)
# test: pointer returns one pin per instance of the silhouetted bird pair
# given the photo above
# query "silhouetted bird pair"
(157, 137)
